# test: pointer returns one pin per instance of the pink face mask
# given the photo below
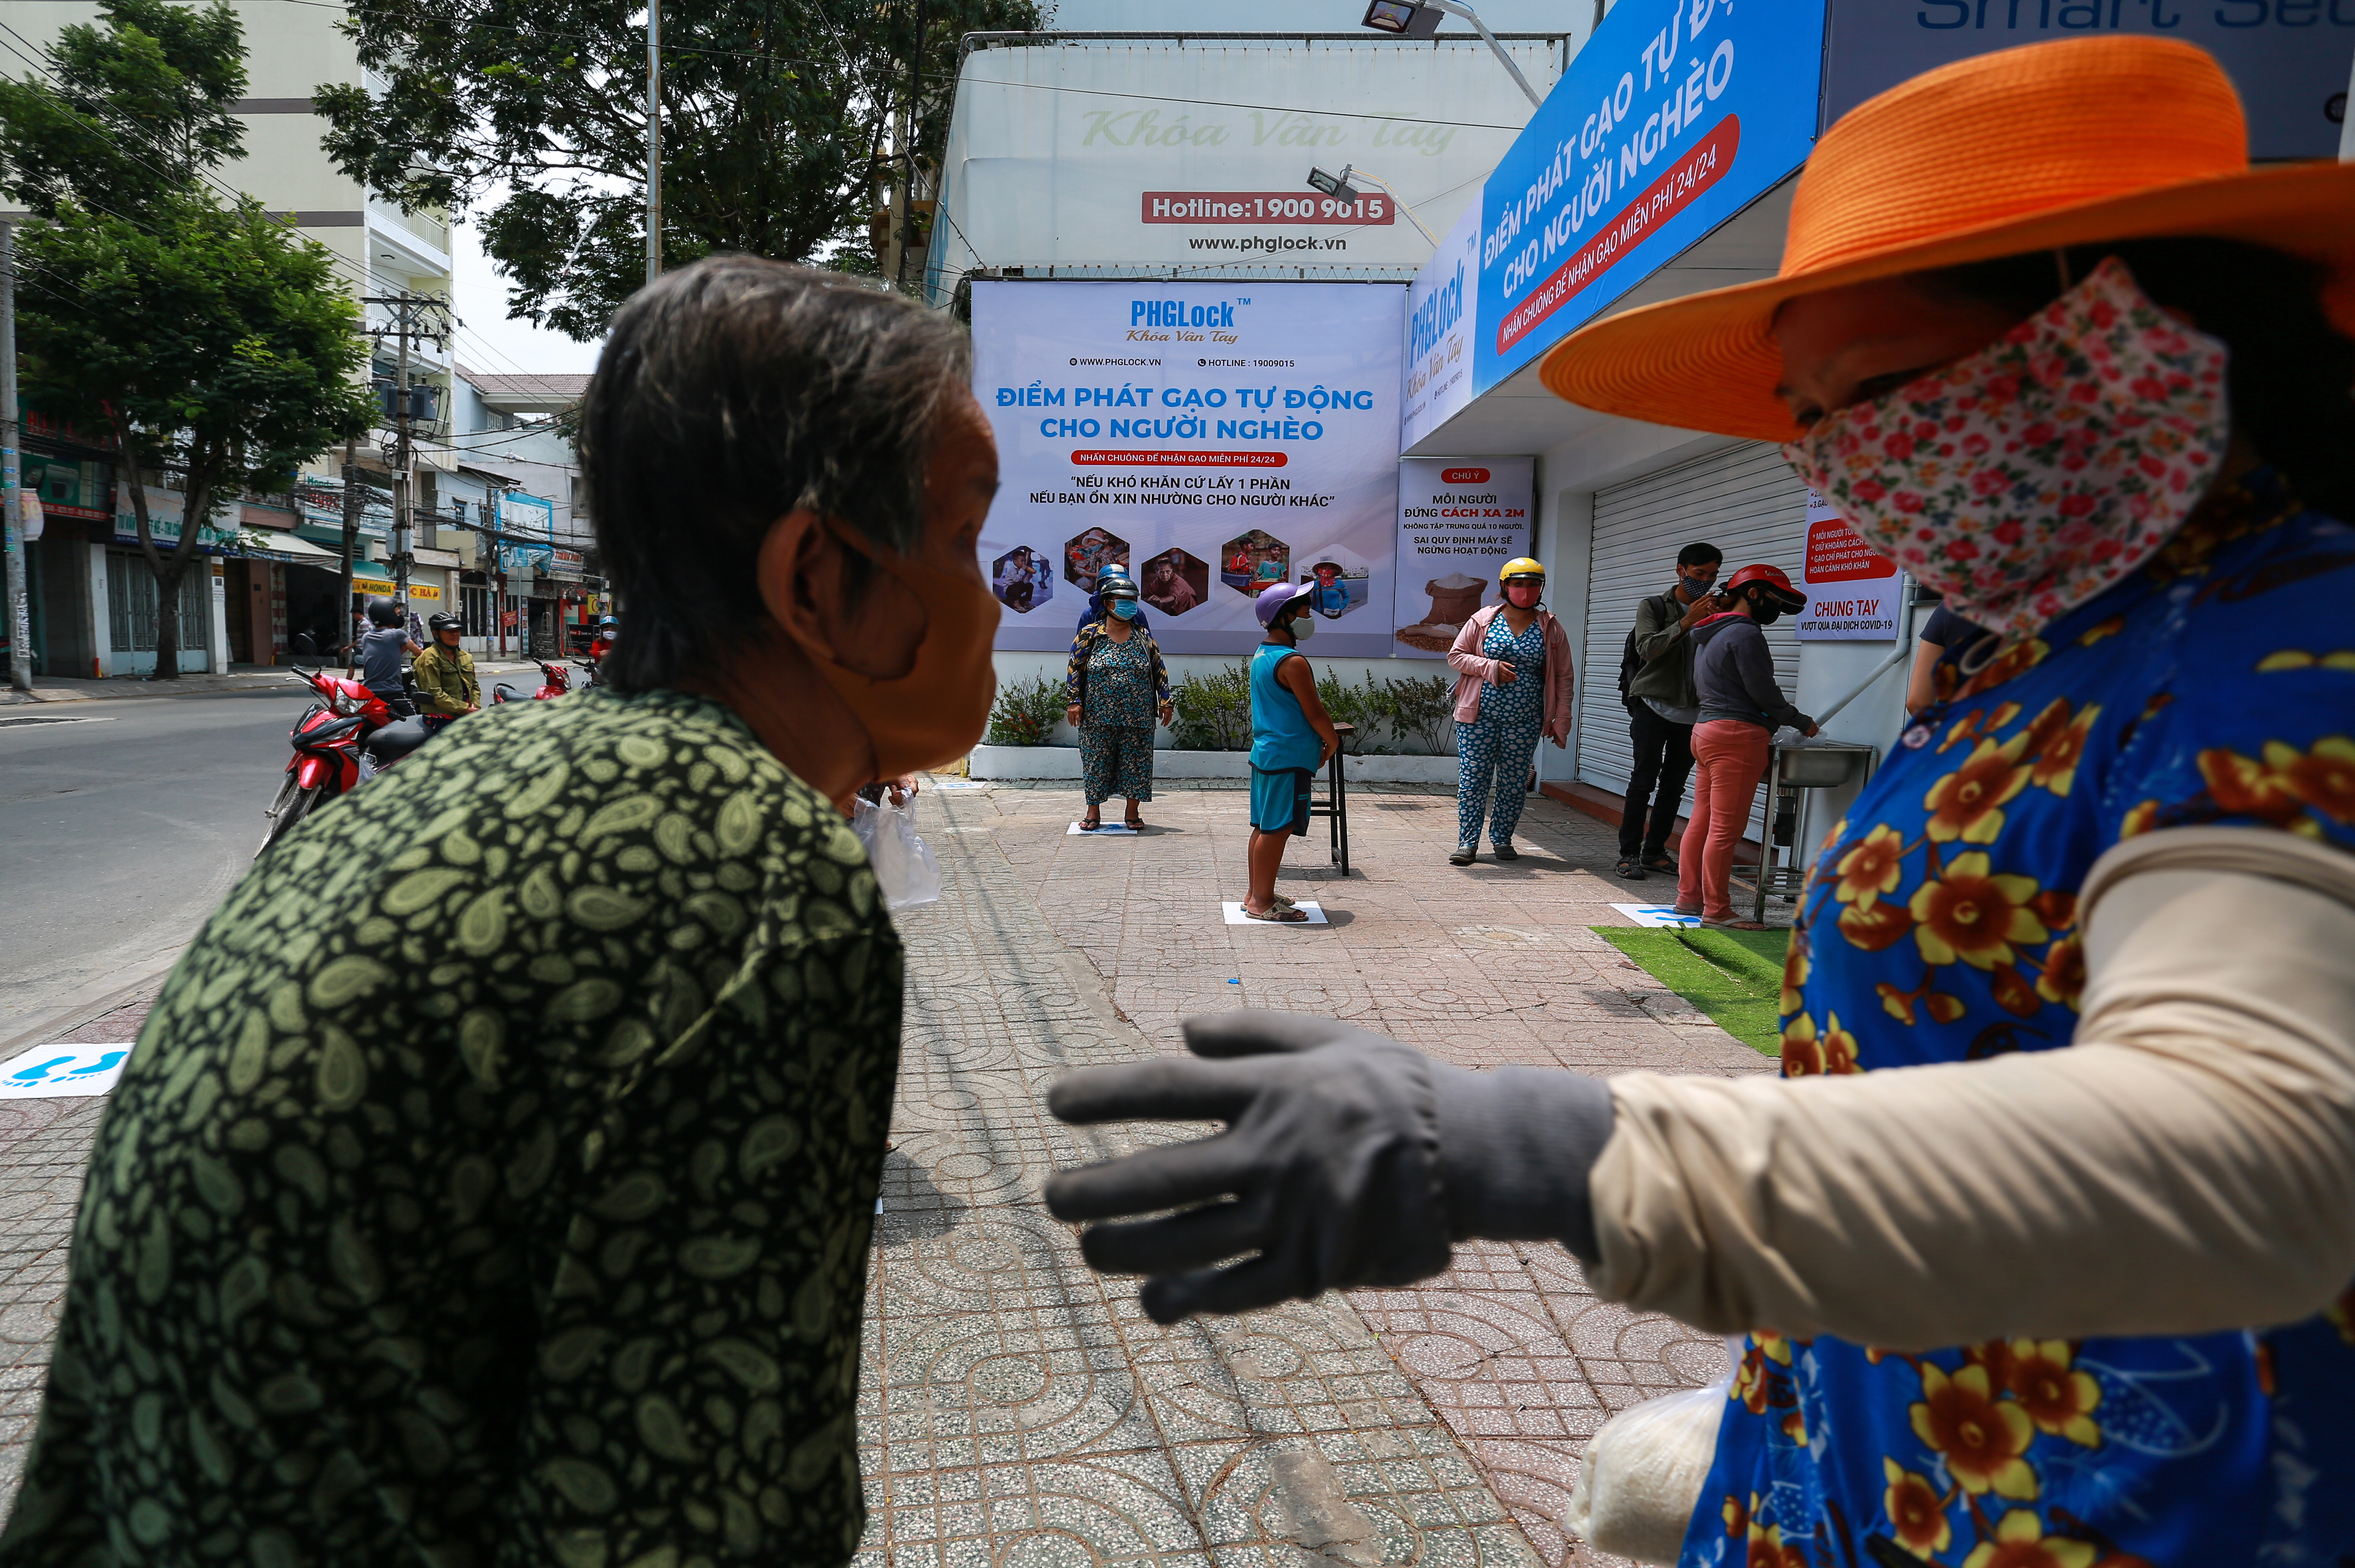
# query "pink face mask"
(2026, 479)
(1524, 595)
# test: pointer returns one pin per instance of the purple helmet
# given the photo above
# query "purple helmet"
(1276, 595)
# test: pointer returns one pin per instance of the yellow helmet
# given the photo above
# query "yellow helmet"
(1521, 567)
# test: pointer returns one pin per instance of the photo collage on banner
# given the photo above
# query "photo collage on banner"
(1209, 438)
(1460, 520)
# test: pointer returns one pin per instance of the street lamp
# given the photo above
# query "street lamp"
(1338, 187)
(1420, 19)
(1404, 17)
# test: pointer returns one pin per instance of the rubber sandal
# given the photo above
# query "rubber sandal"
(1288, 903)
(1709, 925)
(1689, 912)
(1090, 823)
(1134, 824)
(1276, 912)
(1630, 869)
(1464, 856)
(1659, 863)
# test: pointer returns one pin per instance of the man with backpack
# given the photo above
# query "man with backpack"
(1655, 682)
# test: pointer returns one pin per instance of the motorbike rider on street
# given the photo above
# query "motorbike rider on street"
(446, 686)
(381, 653)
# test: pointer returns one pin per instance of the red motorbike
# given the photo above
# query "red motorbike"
(343, 740)
(553, 683)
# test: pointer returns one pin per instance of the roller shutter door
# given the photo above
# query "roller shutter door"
(1746, 502)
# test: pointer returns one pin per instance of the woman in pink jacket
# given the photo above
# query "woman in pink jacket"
(1512, 664)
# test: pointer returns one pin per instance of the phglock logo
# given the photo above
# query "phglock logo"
(1178, 312)
(1442, 309)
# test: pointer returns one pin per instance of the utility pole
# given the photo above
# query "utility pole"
(654, 140)
(401, 557)
(496, 513)
(410, 310)
(351, 546)
(20, 619)
(912, 125)
(895, 247)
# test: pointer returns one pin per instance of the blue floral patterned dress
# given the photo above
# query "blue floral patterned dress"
(2214, 686)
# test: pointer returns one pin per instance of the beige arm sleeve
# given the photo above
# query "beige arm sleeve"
(2188, 1164)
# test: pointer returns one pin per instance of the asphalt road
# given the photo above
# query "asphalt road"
(123, 824)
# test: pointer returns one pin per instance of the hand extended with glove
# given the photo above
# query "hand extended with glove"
(1347, 1159)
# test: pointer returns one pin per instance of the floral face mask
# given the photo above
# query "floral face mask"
(2026, 479)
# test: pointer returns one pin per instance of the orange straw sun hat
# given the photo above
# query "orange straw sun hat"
(2026, 149)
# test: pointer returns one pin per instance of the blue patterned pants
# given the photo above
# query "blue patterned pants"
(1490, 751)
(1116, 758)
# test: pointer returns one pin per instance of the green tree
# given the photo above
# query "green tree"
(139, 110)
(775, 115)
(208, 338)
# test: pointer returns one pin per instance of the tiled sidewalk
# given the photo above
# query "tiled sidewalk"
(44, 1145)
(1017, 1410)
(1482, 965)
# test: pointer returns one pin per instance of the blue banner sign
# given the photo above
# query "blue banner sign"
(1675, 116)
(2288, 57)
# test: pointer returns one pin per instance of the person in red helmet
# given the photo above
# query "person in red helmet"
(1741, 708)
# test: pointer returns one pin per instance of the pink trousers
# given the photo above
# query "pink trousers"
(1729, 759)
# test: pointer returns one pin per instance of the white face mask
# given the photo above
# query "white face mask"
(2024, 480)
(1303, 628)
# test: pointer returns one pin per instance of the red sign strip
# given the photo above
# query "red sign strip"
(1100, 459)
(1697, 170)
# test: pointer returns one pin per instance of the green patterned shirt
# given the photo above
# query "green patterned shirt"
(492, 1181)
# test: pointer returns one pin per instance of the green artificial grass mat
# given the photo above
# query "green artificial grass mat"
(1734, 977)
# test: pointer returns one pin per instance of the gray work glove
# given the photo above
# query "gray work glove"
(1349, 1160)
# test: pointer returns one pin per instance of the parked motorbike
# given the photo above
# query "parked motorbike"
(594, 678)
(553, 683)
(344, 738)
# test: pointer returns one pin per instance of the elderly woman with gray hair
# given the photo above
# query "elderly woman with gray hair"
(510, 1202)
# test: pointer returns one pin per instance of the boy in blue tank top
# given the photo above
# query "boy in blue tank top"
(1291, 737)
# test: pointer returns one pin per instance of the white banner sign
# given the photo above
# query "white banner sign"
(1855, 594)
(1212, 438)
(1459, 521)
(1196, 154)
(1442, 320)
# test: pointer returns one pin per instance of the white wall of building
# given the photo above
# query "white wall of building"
(1058, 151)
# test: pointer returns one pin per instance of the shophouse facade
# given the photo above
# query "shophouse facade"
(270, 565)
(530, 586)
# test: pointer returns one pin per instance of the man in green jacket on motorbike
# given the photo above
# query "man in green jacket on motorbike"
(446, 687)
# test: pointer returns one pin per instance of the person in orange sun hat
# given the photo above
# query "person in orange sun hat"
(2073, 1287)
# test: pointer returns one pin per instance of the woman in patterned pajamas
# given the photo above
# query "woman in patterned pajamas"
(1513, 685)
(1118, 687)
(492, 1181)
